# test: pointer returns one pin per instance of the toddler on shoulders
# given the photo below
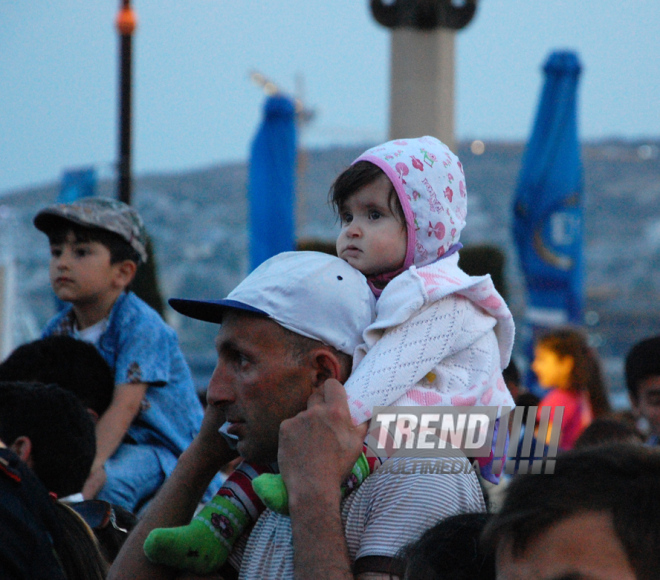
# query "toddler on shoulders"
(440, 337)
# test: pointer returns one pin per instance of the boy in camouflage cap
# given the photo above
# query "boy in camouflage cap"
(96, 246)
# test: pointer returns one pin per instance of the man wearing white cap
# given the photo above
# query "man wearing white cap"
(287, 335)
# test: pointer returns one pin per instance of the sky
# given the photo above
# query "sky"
(194, 105)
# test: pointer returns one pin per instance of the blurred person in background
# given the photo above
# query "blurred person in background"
(643, 383)
(596, 517)
(566, 365)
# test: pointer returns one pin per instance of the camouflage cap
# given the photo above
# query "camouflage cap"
(99, 212)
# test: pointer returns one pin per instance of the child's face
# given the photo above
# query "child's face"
(81, 273)
(372, 238)
(553, 371)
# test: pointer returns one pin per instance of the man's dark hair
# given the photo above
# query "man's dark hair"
(60, 428)
(526, 399)
(620, 479)
(300, 346)
(118, 247)
(72, 364)
(356, 177)
(511, 374)
(451, 550)
(642, 362)
(607, 430)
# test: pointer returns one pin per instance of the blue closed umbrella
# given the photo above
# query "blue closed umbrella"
(548, 204)
(272, 182)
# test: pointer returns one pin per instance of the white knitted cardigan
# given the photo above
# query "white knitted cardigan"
(440, 337)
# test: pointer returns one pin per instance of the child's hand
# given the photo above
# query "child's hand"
(94, 483)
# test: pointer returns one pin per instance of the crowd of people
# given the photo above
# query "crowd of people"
(110, 466)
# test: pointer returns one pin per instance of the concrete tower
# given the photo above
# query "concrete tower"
(422, 63)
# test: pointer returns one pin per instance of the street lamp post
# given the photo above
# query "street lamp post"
(126, 23)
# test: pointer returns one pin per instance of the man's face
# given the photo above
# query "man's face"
(648, 402)
(257, 383)
(581, 547)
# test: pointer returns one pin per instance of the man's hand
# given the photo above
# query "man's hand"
(175, 503)
(209, 444)
(317, 449)
(319, 446)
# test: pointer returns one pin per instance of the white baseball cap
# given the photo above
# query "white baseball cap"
(310, 293)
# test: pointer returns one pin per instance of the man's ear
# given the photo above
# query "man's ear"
(326, 366)
(125, 272)
(22, 446)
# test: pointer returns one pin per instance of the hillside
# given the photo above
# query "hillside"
(198, 223)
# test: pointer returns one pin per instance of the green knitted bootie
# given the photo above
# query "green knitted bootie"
(203, 545)
(271, 489)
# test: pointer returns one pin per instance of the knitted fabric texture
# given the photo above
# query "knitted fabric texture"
(440, 337)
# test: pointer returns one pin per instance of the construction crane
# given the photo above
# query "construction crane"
(304, 114)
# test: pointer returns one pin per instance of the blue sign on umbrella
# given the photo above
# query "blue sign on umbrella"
(548, 205)
(272, 182)
(77, 183)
